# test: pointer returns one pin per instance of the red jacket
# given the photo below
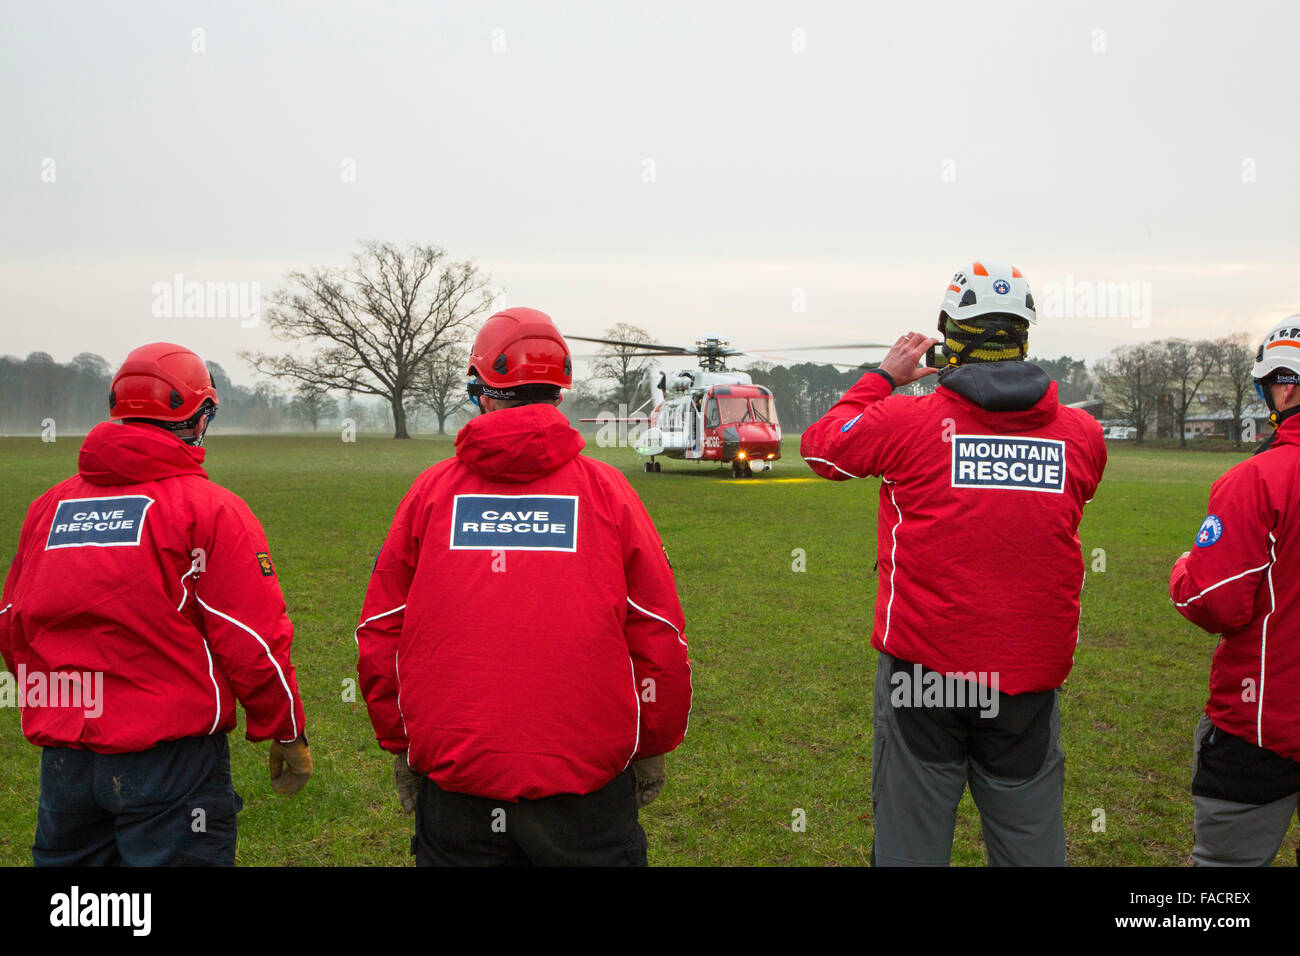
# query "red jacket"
(984, 483)
(521, 634)
(1242, 580)
(141, 569)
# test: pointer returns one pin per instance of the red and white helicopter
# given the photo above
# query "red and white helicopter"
(710, 413)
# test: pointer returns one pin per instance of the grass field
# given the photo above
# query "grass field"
(783, 669)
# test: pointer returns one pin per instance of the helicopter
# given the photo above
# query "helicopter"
(709, 413)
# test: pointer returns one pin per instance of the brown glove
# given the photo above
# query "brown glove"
(408, 783)
(290, 765)
(651, 775)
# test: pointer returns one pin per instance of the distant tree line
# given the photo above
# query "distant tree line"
(1152, 387)
(37, 389)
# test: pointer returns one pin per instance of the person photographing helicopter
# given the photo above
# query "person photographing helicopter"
(979, 574)
(521, 647)
(148, 592)
(1239, 581)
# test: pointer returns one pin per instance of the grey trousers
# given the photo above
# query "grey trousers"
(1228, 833)
(915, 802)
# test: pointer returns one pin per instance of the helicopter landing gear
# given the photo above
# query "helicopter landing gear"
(740, 469)
(653, 465)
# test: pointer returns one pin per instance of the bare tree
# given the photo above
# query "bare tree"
(1132, 381)
(1233, 386)
(441, 383)
(312, 404)
(1187, 367)
(267, 407)
(623, 365)
(378, 320)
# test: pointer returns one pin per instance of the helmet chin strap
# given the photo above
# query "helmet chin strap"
(1276, 418)
(204, 418)
(1263, 387)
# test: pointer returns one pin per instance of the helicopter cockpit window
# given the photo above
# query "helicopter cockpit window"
(733, 410)
(711, 414)
(764, 410)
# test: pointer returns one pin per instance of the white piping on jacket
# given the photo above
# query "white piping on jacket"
(833, 465)
(374, 617)
(1219, 584)
(293, 717)
(893, 560)
(1263, 640)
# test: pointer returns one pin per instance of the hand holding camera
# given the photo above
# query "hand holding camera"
(902, 361)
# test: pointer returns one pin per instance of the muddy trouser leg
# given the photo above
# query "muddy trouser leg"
(1229, 833)
(1022, 819)
(170, 805)
(71, 828)
(914, 801)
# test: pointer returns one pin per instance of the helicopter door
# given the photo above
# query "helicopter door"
(693, 416)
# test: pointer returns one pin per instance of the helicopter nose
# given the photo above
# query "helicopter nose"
(752, 441)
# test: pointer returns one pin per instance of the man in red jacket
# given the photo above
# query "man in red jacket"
(521, 646)
(1241, 581)
(980, 569)
(141, 604)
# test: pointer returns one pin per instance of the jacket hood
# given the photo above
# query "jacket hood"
(120, 453)
(1013, 394)
(518, 444)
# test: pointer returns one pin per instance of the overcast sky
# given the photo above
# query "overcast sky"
(685, 167)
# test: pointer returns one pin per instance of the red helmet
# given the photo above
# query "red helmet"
(521, 347)
(163, 382)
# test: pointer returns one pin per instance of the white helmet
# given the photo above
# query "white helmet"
(985, 288)
(1279, 350)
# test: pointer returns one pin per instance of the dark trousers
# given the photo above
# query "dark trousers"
(173, 805)
(1243, 797)
(594, 829)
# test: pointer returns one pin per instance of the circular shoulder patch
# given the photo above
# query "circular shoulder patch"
(1210, 532)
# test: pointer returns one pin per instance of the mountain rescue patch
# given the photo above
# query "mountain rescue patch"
(264, 562)
(1008, 462)
(1211, 530)
(98, 522)
(514, 523)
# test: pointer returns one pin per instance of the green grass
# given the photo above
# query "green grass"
(783, 668)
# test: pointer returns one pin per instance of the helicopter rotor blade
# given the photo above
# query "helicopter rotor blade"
(769, 357)
(823, 348)
(633, 345)
(597, 355)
